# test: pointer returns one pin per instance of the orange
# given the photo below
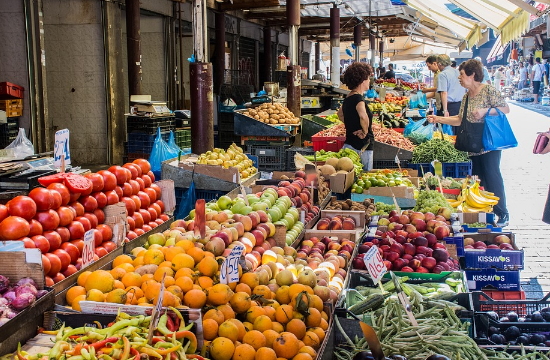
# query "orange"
(219, 294)
(131, 299)
(159, 273)
(131, 279)
(101, 280)
(138, 261)
(73, 292)
(209, 329)
(127, 267)
(263, 290)
(95, 295)
(229, 330)
(265, 353)
(286, 345)
(135, 290)
(283, 314)
(316, 302)
(278, 327)
(194, 298)
(253, 313)
(205, 282)
(196, 253)
(185, 283)
(76, 302)
(251, 279)
(297, 315)
(185, 244)
(151, 289)
(319, 332)
(227, 311)
(311, 339)
(182, 261)
(118, 273)
(241, 329)
(170, 252)
(282, 295)
(324, 324)
(117, 296)
(166, 264)
(255, 338)
(314, 318)
(308, 350)
(243, 288)
(221, 348)
(270, 336)
(174, 289)
(240, 302)
(263, 323)
(248, 326)
(270, 311)
(297, 327)
(302, 297)
(302, 356)
(119, 285)
(184, 272)
(121, 259)
(82, 278)
(214, 314)
(208, 266)
(244, 352)
(168, 299)
(146, 277)
(153, 256)
(295, 289)
(324, 315)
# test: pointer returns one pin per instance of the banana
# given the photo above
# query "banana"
(454, 203)
(489, 195)
(473, 200)
(468, 209)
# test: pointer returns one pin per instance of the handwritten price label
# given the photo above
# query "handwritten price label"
(61, 148)
(230, 268)
(374, 264)
(88, 251)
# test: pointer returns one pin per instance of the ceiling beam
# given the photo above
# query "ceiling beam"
(247, 4)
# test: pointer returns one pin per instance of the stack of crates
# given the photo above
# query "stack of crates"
(290, 152)
(9, 131)
(183, 137)
(11, 99)
(141, 133)
(226, 134)
(271, 157)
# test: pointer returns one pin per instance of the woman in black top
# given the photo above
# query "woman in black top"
(355, 115)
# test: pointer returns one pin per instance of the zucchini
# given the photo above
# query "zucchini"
(372, 302)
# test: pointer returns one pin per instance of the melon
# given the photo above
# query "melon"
(327, 170)
(345, 163)
(332, 162)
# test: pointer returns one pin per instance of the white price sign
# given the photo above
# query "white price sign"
(88, 251)
(374, 264)
(230, 268)
(61, 147)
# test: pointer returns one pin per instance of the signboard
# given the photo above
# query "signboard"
(229, 271)
(61, 148)
(374, 264)
(88, 251)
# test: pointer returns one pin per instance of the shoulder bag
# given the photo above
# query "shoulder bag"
(469, 136)
(497, 133)
(540, 144)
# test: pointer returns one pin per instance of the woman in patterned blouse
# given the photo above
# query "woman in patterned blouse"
(479, 99)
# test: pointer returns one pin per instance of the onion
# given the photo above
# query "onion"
(23, 301)
(26, 281)
(10, 314)
(27, 288)
(41, 293)
(4, 284)
(10, 296)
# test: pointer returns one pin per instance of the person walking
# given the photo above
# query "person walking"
(355, 115)
(480, 99)
(431, 63)
(390, 74)
(448, 86)
(499, 75)
(522, 83)
(536, 78)
(509, 75)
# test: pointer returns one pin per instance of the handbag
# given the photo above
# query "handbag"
(497, 133)
(540, 144)
(469, 135)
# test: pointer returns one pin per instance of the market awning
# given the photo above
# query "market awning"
(497, 51)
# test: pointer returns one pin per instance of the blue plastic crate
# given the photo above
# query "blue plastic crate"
(207, 195)
(454, 170)
(458, 241)
(254, 159)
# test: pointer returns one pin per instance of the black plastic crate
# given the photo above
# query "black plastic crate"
(149, 125)
(389, 164)
(183, 137)
(290, 152)
(138, 155)
(207, 195)
(138, 142)
(483, 302)
(269, 154)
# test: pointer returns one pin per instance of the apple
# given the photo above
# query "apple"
(441, 231)
(432, 239)
(445, 212)
(404, 219)
(502, 239)
(399, 263)
(419, 224)
(469, 241)
(409, 228)
(493, 246)
(429, 262)
(420, 241)
(407, 269)
(479, 245)
(417, 215)
(409, 248)
(414, 263)
(506, 246)
(383, 222)
(400, 239)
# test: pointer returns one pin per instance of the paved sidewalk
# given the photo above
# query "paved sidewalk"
(527, 177)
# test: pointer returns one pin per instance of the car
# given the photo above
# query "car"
(405, 77)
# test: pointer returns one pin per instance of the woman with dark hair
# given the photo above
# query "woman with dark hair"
(355, 115)
(476, 102)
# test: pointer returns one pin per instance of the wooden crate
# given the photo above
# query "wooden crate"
(13, 107)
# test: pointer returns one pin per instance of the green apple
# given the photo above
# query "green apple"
(294, 213)
(246, 210)
(237, 207)
(290, 219)
(157, 238)
(170, 242)
(224, 202)
(275, 214)
(252, 199)
(282, 221)
(192, 214)
(213, 206)
(260, 205)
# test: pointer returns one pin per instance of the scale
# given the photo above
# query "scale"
(28, 179)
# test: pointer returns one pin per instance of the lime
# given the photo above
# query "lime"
(368, 184)
(359, 190)
(391, 183)
(381, 183)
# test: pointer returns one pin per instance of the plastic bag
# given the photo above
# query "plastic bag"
(186, 203)
(22, 146)
(422, 101)
(412, 126)
(413, 101)
(172, 143)
(160, 153)
(497, 133)
(425, 132)
(372, 94)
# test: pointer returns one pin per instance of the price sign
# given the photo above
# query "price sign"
(229, 271)
(243, 193)
(61, 148)
(155, 315)
(374, 264)
(88, 251)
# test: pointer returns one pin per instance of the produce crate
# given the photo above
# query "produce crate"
(479, 279)
(148, 125)
(9, 131)
(454, 170)
(11, 91)
(362, 278)
(207, 195)
(13, 107)
(312, 124)
(290, 152)
(458, 242)
(183, 137)
(328, 143)
(384, 151)
(143, 143)
(336, 338)
(506, 301)
(270, 157)
(389, 164)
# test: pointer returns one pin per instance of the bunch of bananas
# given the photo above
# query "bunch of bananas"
(473, 200)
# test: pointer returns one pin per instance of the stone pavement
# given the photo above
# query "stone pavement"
(527, 178)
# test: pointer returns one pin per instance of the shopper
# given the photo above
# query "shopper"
(522, 83)
(431, 63)
(448, 86)
(536, 77)
(390, 74)
(475, 104)
(499, 75)
(355, 115)
(486, 76)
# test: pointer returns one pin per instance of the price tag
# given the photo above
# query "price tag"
(61, 147)
(155, 315)
(88, 251)
(229, 271)
(374, 264)
(243, 193)
(167, 194)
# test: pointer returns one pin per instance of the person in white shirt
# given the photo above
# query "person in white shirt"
(509, 75)
(537, 77)
(499, 75)
(522, 83)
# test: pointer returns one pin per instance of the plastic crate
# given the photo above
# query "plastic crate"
(143, 143)
(454, 170)
(290, 152)
(270, 157)
(389, 164)
(511, 301)
(183, 137)
(133, 156)
(11, 91)
(207, 195)
(328, 143)
(148, 125)
(12, 107)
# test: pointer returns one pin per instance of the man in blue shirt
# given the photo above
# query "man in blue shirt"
(448, 86)
(486, 76)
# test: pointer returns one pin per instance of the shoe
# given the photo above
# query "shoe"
(503, 220)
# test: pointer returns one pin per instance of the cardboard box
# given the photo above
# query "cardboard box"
(359, 216)
(311, 102)
(341, 182)
(470, 218)
(493, 258)
(231, 174)
(17, 265)
(389, 191)
(496, 279)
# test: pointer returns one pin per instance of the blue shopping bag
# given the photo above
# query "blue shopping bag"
(497, 132)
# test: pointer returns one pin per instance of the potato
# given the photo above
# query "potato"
(274, 122)
(275, 116)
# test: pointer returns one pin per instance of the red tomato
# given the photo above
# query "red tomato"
(164, 217)
(79, 243)
(152, 224)
(71, 269)
(101, 199)
(131, 235)
(35, 228)
(22, 206)
(57, 199)
(151, 193)
(119, 191)
(152, 176)
(144, 199)
(128, 173)
(112, 197)
(145, 215)
(157, 189)
(131, 223)
(109, 245)
(74, 197)
(138, 220)
(50, 179)
(152, 213)
(54, 239)
(55, 264)
(109, 180)
(146, 228)
(141, 183)
(76, 229)
(100, 251)
(159, 221)
(42, 197)
(64, 257)
(97, 181)
(78, 207)
(14, 227)
(127, 189)
(136, 169)
(100, 216)
(64, 233)
(157, 208)
(41, 243)
(89, 202)
(58, 277)
(92, 218)
(48, 281)
(28, 243)
(49, 219)
(137, 201)
(78, 183)
(120, 174)
(106, 232)
(62, 190)
(72, 250)
(66, 215)
(135, 186)
(46, 265)
(139, 231)
(98, 237)
(143, 164)
(3, 212)
(85, 222)
(147, 180)
(161, 204)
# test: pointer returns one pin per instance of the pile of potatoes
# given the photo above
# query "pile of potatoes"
(272, 114)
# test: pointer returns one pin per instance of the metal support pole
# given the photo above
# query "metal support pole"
(335, 45)
(357, 35)
(202, 107)
(381, 50)
(372, 48)
(133, 34)
(268, 54)
(219, 62)
(293, 71)
(317, 57)
(200, 31)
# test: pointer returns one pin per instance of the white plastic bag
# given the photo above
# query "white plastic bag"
(22, 146)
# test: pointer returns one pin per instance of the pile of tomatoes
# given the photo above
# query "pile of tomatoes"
(54, 218)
